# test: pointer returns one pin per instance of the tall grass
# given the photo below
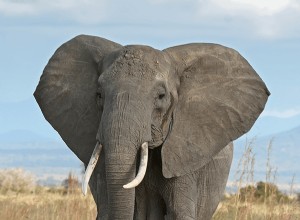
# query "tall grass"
(257, 201)
(47, 206)
(21, 199)
(16, 180)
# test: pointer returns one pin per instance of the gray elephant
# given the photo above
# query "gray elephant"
(161, 120)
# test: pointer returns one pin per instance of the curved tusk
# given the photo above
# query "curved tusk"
(142, 169)
(91, 167)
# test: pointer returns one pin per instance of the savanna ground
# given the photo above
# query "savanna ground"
(21, 199)
(56, 204)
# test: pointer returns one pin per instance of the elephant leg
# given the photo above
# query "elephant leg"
(180, 196)
(98, 189)
(97, 186)
(149, 205)
(102, 199)
(140, 208)
(149, 201)
(93, 183)
(212, 183)
(156, 209)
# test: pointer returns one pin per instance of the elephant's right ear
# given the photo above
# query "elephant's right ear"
(67, 89)
(219, 98)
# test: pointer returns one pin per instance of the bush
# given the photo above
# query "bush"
(247, 193)
(262, 192)
(16, 180)
(71, 184)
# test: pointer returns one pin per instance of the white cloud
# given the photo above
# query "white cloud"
(82, 11)
(259, 7)
(261, 18)
(16, 8)
(251, 18)
(281, 114)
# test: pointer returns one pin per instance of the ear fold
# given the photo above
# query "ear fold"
(66, 92)
(219, 98)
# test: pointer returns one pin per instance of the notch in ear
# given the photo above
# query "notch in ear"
(67, 91)
(220, 97)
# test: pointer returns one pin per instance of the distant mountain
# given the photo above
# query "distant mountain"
(51, 160)
(273, 125)
(284, 154)
(17, 136)
(24, 116)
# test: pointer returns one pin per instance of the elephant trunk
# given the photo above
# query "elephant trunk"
(122, 131)
(119, 171)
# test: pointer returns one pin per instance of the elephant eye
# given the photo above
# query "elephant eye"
(99, 99)
(99, 96)
(161, 96)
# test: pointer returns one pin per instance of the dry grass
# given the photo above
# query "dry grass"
(17, 180)
(253, 201)
(228, 210)
(257, 201)
(57, 206)
(47, 205)
(51, 205)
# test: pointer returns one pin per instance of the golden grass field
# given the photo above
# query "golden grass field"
(55, 205)
(229, 210)
(22, 199)
(48, 206)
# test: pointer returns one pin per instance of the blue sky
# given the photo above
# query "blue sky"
(265, 32)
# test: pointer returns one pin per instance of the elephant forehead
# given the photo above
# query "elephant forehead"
(140, 62)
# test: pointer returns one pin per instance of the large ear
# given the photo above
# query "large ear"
(219, 98)
(66, 92)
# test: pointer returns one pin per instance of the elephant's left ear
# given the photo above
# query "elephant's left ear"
(220, 97)
(67, 91)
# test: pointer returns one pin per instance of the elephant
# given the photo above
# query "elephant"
(154, 128)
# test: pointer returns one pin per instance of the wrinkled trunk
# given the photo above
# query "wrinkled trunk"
(120, 171)
(122, 133)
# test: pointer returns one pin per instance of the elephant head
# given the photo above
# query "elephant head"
(190, 100)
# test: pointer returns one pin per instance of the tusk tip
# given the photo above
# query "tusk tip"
(84, 189)
(127, 186)
(90, 168)
(142, 169)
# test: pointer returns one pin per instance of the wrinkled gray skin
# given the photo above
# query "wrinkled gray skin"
(188, 102)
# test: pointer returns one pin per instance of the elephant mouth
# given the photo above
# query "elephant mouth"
(94, 159)
(155, 143)
(158, 137)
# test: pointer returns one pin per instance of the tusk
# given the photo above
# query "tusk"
(91, 167)
(142, 169)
